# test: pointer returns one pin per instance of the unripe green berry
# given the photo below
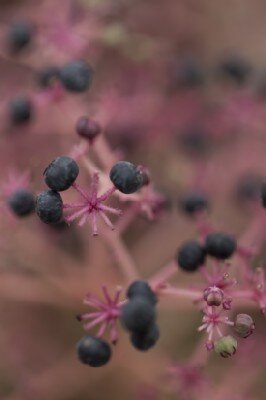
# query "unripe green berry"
(226, 346)
(244, 325)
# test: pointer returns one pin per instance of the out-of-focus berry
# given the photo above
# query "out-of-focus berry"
(22, 202)
(76, 76)
(138, 314)
(93, 351)
(190, 256)
(220, 245)
(88, 128)
(192, 203)
(147, 340)
(20, 110)
(19, 35)
(143, 289)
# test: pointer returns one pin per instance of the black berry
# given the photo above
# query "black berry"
(22, 202)
(93, 351)
(88, 128)
(190, 256)
(147, 340)
(220, 245)
(193, 202)
(248, 187)
(76, 76)
(138, 315)
(48, 75)
(126, 177)
(19, 35)
(263, 194)
(61, 173)
(49, 207)
(141, 288)
(20, 110)
(235, 69)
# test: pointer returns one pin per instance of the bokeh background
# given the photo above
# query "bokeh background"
(138, 50)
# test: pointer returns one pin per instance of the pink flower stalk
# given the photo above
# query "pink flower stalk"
(218, 275)
(212, 320)
(91, 206)
(106, 316)
(256, 290)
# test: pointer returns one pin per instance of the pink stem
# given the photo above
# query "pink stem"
(163, 275)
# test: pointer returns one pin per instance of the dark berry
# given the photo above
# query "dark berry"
(248, 187)
(48, 75)
(235, 69)
(141, 288)
(186, 74)
(19, 35)
(138, 314)
(88, 128)
(263, 194)
(93, 351)
(20, 110)
(126, 177)
(22, 202)
(147, 340)
(76, 76)
(190, 256)
(193, 202)
(220, 245)
(61, 173)
(194, 141)
(49, 207)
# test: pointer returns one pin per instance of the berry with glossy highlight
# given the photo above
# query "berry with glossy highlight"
(49, 207)
(61, 173)
(126, 177)
(93, 351)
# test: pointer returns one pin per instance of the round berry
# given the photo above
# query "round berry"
(20, 110)
(141, 288)
(22, 202)
(19, 35)
(220, 245)
(194, 141)
(76, 76)
(61, 173)
(93, 351)
(138, 315)
(235, 69)
(88, 128)
(48, 75)
(126, 177)
(193, 203)
(190, 256)
(263, 194)
(147, 340)
(49, 207)
(248, 188)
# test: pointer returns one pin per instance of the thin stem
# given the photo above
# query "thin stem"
(186, 293)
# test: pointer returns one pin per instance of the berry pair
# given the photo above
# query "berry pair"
(58, 176)
(138, 316)
(191, 255)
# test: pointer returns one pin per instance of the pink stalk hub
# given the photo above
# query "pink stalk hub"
(106, 316)
(91, 206)
(212, 320)
(218, 275)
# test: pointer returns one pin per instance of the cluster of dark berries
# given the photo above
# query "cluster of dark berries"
(191, 255)
(127, 177)
(58, 176)
(138, 316)
(93, 351)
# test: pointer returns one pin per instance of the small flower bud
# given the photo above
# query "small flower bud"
(226, 346)
(88, 128)
(213, 296)
(244, 325)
